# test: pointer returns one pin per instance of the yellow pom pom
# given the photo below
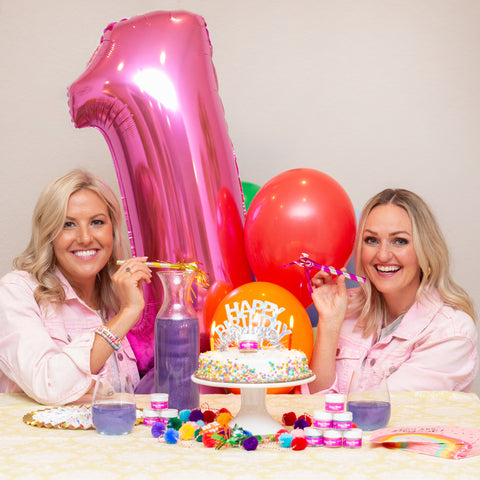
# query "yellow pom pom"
(186, 432)
(223, 418)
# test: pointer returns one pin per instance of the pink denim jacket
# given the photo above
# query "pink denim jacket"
(433, 348)
(46, 352)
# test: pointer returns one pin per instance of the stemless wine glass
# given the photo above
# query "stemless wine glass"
(369, 399)
(114, 410)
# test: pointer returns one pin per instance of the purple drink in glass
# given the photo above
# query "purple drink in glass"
(114, 418)
(369, 415)
(176, 359)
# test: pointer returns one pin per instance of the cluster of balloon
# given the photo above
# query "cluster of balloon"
(270, 309)
(151, 89)
(299, 211)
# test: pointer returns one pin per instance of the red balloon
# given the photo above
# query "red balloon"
(299, 211)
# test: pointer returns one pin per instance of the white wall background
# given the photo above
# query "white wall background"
(374, 93)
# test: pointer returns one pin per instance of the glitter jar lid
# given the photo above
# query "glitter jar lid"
(334, 398)
(169, 413)
(159, 397)
(343, 417)
(332, 434)
(353, 434)
(322, 415)
(312, 432)
(150, 413)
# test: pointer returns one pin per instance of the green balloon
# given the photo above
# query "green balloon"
(249, 191)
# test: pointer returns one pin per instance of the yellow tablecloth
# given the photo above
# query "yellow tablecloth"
(29, 452)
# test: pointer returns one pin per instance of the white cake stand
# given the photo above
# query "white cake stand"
(253, 414)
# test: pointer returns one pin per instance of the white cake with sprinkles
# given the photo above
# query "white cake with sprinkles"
(264, 365)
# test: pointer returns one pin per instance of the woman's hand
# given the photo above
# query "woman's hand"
(330, 299)
(128, 282)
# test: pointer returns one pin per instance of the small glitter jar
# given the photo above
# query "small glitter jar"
(352, 438)
(150, 416)
(342, 421)
(334, 402)
(313, 436)
(322, 419)
(166, 414)
(332, 438)
(248, 343)
(159, 401)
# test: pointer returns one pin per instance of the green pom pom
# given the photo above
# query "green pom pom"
(175, 423)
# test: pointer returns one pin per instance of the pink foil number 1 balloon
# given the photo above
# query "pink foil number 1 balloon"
(151, 89)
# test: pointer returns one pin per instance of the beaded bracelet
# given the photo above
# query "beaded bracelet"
(109, 336)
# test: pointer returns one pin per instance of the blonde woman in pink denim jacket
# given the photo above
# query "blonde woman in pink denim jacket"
(410, 320)
(66, 309)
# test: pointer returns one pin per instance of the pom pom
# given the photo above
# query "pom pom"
(285, 440)
(299, 443)
(174, 423)
(225, 431)
(307, 418)
(300, 423)
(200, 423)
(208, 441)
(282, 430)
(158, 429)
(224, 417)
(289, 419)
(224, 410)
(184, 415)
(250, 443)
(298, 432)
(196, 415)
(171, 436)
(186, 432)
(209, 416)
(198, 435)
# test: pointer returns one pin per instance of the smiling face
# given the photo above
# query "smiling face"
(84, 245)
(389, 258)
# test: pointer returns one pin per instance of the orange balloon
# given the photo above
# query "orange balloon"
(260, 304)
(216, 293)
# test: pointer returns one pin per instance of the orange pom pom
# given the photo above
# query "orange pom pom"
(224, 417)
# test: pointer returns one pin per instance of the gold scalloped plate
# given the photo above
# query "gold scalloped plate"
(30, 419)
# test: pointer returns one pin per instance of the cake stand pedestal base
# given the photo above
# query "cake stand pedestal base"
(253, 414)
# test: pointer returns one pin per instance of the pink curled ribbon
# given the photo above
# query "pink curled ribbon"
(305, 262)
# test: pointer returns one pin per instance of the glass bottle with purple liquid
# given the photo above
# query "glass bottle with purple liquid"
(177, 341)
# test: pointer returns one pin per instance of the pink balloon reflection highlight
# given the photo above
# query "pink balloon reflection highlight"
(151, 89)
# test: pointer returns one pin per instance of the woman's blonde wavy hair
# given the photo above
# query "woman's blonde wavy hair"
(47, 222)
(432, 254)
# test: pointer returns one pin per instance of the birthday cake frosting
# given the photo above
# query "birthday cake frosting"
(265, 365)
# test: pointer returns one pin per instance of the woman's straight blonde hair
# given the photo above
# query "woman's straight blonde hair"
(432, 254)
(47, 222)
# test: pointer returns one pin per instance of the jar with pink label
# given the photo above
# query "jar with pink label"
(334, 402)
(352, 438)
